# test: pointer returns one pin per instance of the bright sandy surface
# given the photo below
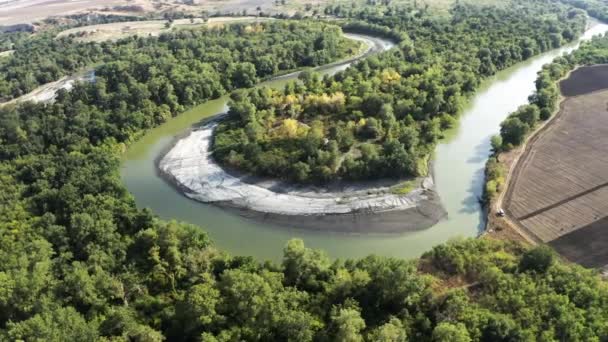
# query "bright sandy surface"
(191, 166)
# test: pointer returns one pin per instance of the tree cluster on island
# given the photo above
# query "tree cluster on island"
(384, 116)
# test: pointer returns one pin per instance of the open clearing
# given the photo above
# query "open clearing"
(559, 188)
(30, 11)
(115, 31)
(6, 53)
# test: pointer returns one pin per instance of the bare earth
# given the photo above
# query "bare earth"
(28, 11)
(502, 227)
(559, 188)
(116, 31)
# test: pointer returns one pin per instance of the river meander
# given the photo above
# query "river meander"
(458, 167)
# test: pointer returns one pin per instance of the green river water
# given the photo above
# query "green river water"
(458, 168)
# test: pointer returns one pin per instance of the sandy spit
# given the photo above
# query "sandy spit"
(350, 207)
(356, 207)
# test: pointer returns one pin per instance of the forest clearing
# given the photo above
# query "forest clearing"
(550, 194)
(27, 11)
(6, 53)
(30, 11)
(114, 31)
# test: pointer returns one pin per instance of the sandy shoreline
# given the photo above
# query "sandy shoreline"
(348, 207)
(355, 207)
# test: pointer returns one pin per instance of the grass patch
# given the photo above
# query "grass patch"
(404, 188)
(422, 165)
(6, 53)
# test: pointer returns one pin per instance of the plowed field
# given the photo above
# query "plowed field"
(559, 189)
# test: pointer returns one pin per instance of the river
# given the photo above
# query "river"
(458, 167)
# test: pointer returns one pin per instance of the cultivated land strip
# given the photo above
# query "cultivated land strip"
(557, 189)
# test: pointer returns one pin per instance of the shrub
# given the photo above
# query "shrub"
(538, 259)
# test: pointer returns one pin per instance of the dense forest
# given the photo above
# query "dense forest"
(595, 8)
(200, 63)
(71, 233)
(383, 117)
(9, 40)
(80, 262)
(543, 104)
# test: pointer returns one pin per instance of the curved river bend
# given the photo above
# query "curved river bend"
(459, 164)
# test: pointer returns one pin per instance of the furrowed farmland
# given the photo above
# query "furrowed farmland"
(559, 189)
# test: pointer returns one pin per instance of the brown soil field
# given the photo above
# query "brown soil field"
(558, 191)
(588, 245)
(585, 80)
(28, 11)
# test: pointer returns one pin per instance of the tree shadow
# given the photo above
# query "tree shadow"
(564, 201)
(482, 151)
(472, 203)
(587, 246)
(204, 122)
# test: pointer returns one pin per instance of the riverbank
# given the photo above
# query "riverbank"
(510, 162)
(555, 189)
(362, 207)
(504, 227)
(558, 188)
(357, 207)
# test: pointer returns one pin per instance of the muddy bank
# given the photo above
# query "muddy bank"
(362, 207)
(559, 188)
(423, 216)
(355, 207)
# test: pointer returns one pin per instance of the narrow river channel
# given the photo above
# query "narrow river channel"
(459, 163)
